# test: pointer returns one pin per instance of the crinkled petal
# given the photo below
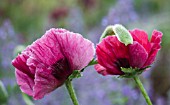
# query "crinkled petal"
(138, 55)
(25, 82)
(57, 44)
(141, 37)
(24, 76)
(20, 63)
(155, 47)
(47, 49)
(40, 62)
(45, 82)
(78, 50)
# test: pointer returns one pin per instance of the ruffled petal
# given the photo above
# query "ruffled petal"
(47, 63)
(155, 47)
(57, 44)
(156, 39)
(78, 50)
(141, 37)
(25, 82)
(24, 76)
(20, 63)
(47, 50)
(44, 83)
(138, 55)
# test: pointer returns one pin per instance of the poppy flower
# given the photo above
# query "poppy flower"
(45, 64)
(113, 55)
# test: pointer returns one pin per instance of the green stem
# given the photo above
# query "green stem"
(71, 92)
(142, 89)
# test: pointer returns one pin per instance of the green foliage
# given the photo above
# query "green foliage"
(75, 74)
(131, 72)
(3, 94)
(118, 98)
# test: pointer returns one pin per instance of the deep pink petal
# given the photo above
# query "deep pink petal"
(138, 55)
(25, 82)
(116, 47)
(141, 37)
(102, 70)
(44, 83)
(109, 52)
(156, 36)
(78, 50)
(155, 47)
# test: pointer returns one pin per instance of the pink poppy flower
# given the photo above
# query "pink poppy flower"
(112, 55)
(45, 65)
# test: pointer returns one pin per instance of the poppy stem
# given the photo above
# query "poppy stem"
(71, 92)
(142, 89)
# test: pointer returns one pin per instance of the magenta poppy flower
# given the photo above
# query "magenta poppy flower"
(45, 65)
(112, 55)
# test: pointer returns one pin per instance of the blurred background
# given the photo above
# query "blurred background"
(23, 21)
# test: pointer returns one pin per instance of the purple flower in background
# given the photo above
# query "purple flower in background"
(46, 64)
(122, 12)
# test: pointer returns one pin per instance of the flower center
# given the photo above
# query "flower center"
(61, 69)
(123, 62)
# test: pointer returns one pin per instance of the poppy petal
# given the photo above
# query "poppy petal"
(47, 49)
(44, 83)
(25, 82)
(102, 70)
(141, 37)
(138, 55)
(155, 47)
(109, 51)
(78, 50)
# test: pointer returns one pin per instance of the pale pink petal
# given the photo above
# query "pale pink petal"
(138, 55)
(45, 54)
(78, 50)
(25, 82)
(44, 82)
(48, 62)
(47, 49)
(24, 76)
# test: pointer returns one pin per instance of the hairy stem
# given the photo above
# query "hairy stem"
(142, 89)
(71, 92)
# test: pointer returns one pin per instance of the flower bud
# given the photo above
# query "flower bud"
(122, 34)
